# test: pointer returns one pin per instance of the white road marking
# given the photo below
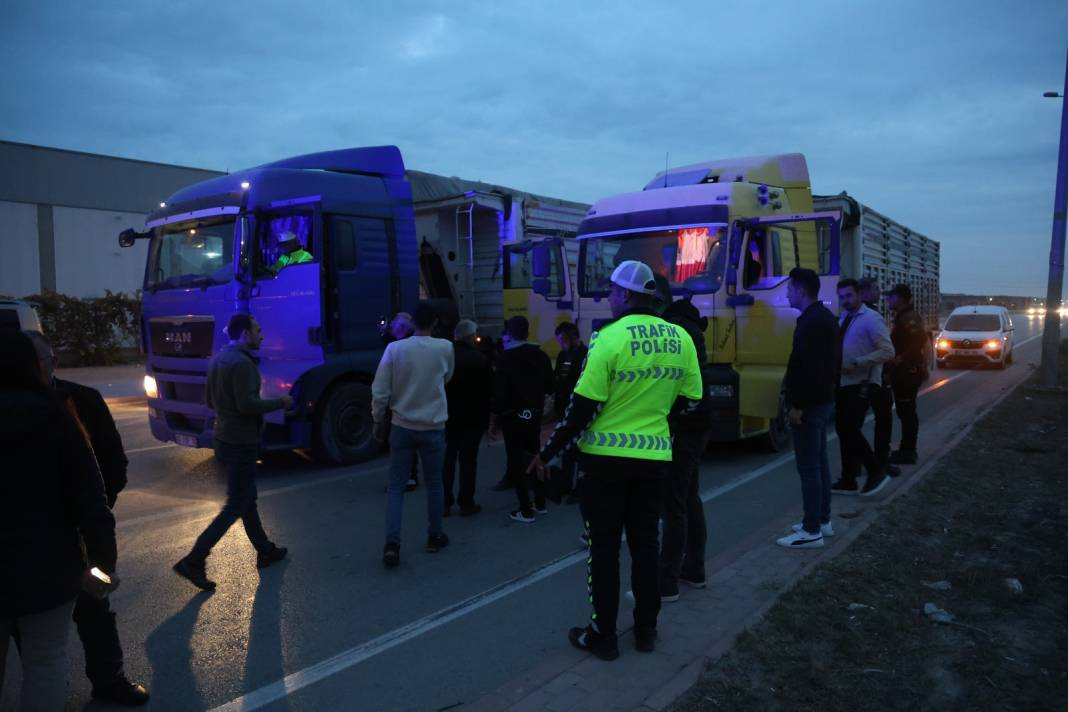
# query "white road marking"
(293, 682)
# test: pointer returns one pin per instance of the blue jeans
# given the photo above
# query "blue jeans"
(403, 445)
(810, 450)
(240, 464)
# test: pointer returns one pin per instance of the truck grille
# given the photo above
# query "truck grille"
(189, 337)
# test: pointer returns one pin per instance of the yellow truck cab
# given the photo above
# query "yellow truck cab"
(538, 284)
(726, 235)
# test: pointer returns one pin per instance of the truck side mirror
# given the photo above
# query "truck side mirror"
(129, 236)
(541, 261)
(241, 253)
(540, 286)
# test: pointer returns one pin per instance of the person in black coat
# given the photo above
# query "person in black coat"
(95, 620)
(55, 525)
(523, 381)
(469, 393)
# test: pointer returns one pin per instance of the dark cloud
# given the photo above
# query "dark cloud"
(930, 112)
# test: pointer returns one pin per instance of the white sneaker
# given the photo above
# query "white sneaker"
(518, 516)
(825, 529)
(801, 540)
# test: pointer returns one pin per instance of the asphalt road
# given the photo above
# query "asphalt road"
(329, 628)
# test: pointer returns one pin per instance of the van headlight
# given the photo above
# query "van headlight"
(150, 387)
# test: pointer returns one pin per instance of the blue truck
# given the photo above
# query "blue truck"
(377, 238)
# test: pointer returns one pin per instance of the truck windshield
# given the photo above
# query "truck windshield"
(191, 254)
(690, 258)
(973, 322)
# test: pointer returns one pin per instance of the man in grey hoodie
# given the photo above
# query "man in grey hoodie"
(864, 346)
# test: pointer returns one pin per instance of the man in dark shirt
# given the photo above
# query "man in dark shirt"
(93, 616)
(233, 392)
(568, 368)
(523, 381)
(908, 369)
(468, 394)
(811, 375)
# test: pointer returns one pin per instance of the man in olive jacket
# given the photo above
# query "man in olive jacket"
(234, 394)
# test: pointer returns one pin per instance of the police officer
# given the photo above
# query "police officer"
(638, 369)
(908, 369)
(292, 252)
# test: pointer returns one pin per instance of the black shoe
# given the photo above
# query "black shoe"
(588, 639)
(903, 457)
(437, 542)
(504, 485)
(892, 470)
(121, 692)
(645, 639)
(875, 482)
(391, 554)
(470, 511)
(843, 486)
(275, 553)
(693, 581)
(195, 572)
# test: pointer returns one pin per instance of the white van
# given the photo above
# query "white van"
(976, 335)
(19, 315)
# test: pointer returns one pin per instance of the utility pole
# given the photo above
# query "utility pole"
(1051, 335)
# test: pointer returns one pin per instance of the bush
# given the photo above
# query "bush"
(92, 331)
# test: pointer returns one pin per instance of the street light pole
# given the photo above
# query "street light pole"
(1051, 335)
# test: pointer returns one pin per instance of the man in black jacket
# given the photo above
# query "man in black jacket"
(566, 374)
(811, 375)
(468, 393)
(908, 369)
(523, 381)
(93, 616)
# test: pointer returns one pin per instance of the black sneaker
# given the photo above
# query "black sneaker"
(903, 457)
(891, 470)
(276, 553)
(437, 542)
(875, 482)
(391, 554)
(121, 692)
(645, 639)
(603, 646)
(693, 581)
(195, 572)
(843, 486)
(470, 511)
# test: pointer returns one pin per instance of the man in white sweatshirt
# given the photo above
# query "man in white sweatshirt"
(410, 382)
(864, 346)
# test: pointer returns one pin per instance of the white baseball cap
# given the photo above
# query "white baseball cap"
(635, 276)
(287, 237)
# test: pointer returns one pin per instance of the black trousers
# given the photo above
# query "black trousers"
(851, 407)
(683, 513)
(461, 444)
(100, 639)
(906, 388)
(522, 440)
(882, 406)
(622, 494)
(240, 463)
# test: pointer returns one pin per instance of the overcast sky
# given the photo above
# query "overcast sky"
(930, 112)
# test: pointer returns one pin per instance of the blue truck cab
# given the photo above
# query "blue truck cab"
(214, 251)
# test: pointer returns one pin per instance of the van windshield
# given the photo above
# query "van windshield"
(690, 258)
(191, 254)
(973, 322)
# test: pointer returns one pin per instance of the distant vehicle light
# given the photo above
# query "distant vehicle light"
(163, 205)
(245, 185)
(150, 387)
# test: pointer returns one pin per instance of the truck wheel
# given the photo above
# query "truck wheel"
(344, 429)
(778, 436)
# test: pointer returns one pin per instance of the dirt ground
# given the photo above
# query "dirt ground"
(854, 634)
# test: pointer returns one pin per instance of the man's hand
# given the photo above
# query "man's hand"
(795, 416)
(538, 467)
(287, 402)
(379, 431)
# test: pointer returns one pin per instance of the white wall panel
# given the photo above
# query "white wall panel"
(88, 257)
(20, 272)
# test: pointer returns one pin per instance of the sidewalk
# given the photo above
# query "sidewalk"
(115, 383)
(745, 582)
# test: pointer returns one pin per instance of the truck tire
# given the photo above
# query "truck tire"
(343, 428)
(778, 437)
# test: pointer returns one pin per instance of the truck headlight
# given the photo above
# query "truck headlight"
(150, 387)
(721, 391)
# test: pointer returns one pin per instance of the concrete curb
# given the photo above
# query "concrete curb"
(689, 675)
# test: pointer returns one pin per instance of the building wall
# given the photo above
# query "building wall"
(20, 273)
(88, 257)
